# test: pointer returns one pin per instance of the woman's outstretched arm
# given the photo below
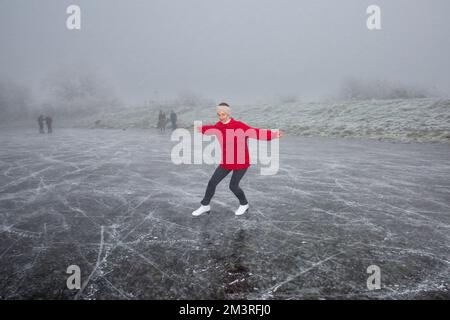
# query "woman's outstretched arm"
(204, 129)
(260, 134)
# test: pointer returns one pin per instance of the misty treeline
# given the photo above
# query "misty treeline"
(15, 100)
(69, 93)
(62, 93)
(353, 88)
(184, 98)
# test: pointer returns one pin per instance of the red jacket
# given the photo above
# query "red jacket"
(233, 141)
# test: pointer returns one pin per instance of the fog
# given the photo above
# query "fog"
(237, 51)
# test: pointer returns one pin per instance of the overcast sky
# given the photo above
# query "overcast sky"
(236, 51)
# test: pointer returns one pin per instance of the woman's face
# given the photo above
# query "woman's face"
(223, 116)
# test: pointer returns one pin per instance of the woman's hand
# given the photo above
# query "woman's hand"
(279, 134)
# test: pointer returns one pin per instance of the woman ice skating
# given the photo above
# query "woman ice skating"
(226, 129)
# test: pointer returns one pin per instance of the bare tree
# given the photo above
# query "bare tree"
(78, 92)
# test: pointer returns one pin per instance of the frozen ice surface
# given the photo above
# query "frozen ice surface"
(112, 202)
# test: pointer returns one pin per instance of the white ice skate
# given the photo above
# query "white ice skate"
(201, 210)
(241, 210)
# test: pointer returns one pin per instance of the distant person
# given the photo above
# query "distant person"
(165, 121)
(162, 121)
(41, 123)
(173, 119)
(48, 121)
(160, 116)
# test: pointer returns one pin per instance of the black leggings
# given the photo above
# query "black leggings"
(218, 176)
